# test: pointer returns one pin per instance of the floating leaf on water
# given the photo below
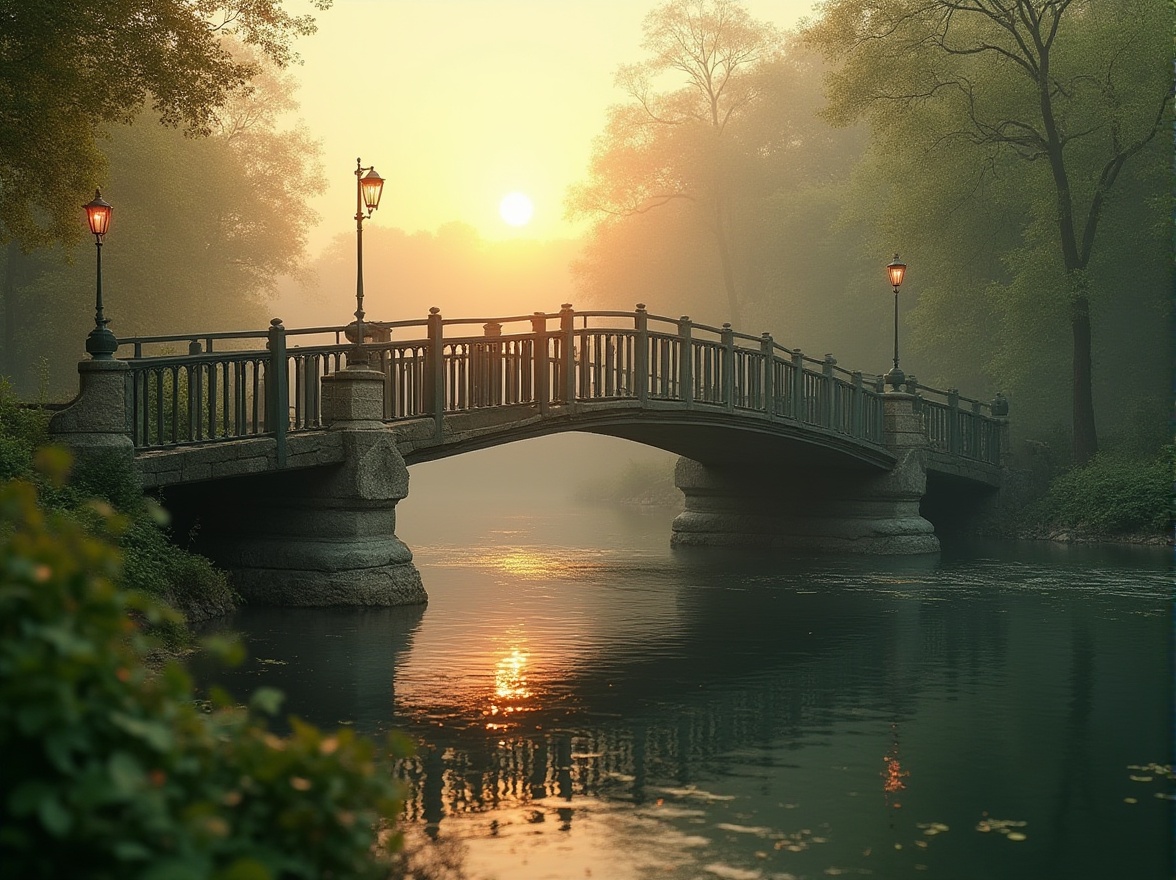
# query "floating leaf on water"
(1163, 795)
(1130, 801)
(1135, 778)
(744, 829)
(922, 844)
(1015, 835)
(898, 846)
(983, 826)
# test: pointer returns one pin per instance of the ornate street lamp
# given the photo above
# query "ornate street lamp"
(368, 189)
(101, 343)
(895, 270)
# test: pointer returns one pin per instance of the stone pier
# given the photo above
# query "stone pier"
(813, 509)
(322, 535)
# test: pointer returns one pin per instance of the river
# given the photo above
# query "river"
(589, 703)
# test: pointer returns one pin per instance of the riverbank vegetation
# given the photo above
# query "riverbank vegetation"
(118, 769)
(1116, 495)
(154, 561)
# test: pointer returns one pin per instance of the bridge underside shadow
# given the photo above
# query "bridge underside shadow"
(747, 482)
(710, 437)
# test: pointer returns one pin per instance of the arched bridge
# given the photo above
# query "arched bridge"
(777, 448)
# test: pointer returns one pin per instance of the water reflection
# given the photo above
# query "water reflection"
(510, 690)
(635, 711)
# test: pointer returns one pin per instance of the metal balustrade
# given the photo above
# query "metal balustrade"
(245, 384)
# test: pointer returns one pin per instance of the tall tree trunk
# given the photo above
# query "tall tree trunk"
(726, 265)
(11, 266)
(1085, 441)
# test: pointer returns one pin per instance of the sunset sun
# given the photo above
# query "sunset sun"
(516, 209)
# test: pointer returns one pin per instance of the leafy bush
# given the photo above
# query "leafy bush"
(1114, 494)
(114, 771)
(152, 563)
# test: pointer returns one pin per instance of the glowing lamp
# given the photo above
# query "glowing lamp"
(896, 270)
(372, 186)
(98, 213)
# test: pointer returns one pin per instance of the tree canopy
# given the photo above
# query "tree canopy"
(70, 70)
(202, 229)
(672, 145)
(1044, 102)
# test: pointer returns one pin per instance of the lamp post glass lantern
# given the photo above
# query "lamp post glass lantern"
(100, 343)
(895, 271)
(369, 187)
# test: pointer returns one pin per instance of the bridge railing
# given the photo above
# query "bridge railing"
(240, 384)
(959, 425)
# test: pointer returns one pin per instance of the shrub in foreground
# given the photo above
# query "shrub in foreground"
(113, 770)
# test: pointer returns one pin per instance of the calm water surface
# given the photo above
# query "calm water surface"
(589, 703)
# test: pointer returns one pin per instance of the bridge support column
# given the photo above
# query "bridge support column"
(794, 505)
(328, 536)
(95, 425)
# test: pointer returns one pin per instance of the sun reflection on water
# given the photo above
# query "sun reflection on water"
(510, 689)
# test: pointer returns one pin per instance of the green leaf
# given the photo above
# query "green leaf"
(131, 851)
(245, 869)
(54, 816)
(266, 700)
(126, 773)
(156, 734)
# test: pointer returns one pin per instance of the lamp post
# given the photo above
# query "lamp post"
(368, 189)
(100, 343)
(895, 270)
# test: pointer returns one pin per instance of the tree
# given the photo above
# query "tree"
(202, 229)
(667, 147)
(69, 70)
(1063, 94)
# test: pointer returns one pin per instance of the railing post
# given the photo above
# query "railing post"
(435, 370)
(797, 409)
(492, 330)
(686, 362)
(830, 387)
(953, 421)
(567, 329)
(539, 361)
(641, 360)
(728, 338)
(195, 385)
(767, 346)
(857, 424)
(277, 389)
(974, 431)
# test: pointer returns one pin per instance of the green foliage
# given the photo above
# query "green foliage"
(152, 563)
(71, 69)
(1115, 494)
(22, 430)
(1017, 151)
(116, 772)
(201, 229)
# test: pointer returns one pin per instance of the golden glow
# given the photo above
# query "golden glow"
(510, 690)
(523, 89)
(527, 563)
(98, 213)
(896, 270)
(516, 209)
(373, 187)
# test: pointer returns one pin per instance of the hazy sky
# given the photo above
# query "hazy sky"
(458, 102)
